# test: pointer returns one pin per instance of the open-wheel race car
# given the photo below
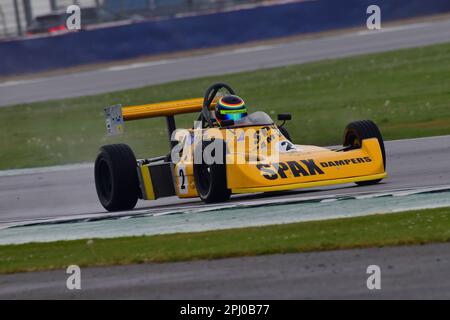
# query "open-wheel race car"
(234, 154)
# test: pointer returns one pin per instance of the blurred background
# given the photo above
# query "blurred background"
(27, 17)
(114, 30)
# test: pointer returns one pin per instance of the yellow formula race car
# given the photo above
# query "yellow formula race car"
(213, 159)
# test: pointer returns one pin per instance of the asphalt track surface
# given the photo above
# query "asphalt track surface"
(413, 163)
(414, 272)
(243, 59)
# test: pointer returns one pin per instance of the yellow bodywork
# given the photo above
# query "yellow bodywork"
(309, 166)
(248, 178)
(299, 167)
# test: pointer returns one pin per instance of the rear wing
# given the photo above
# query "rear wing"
(116, 115)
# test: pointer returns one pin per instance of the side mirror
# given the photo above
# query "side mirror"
(227, 123)
(284, 117)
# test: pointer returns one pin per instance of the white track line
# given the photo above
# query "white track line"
(392, 29)
(232, 205)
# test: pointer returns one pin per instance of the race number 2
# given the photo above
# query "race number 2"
(182, 180)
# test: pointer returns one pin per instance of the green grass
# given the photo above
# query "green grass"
(406, 92)
(414, 227)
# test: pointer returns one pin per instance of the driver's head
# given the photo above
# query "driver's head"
(230, 107)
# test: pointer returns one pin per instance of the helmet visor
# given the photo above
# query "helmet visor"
(232, 114)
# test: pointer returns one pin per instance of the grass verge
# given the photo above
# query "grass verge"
(403, 91)
(413, 227)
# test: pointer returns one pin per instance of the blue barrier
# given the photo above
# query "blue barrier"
(165, 36)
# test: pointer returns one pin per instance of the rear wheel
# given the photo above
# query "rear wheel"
(211, 179)
(116, 177)
(358, 131)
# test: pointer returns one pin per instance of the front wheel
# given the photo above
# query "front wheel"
(116, 177)
(358, 131)
(211, 179)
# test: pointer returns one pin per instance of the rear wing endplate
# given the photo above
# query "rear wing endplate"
(114, 120)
